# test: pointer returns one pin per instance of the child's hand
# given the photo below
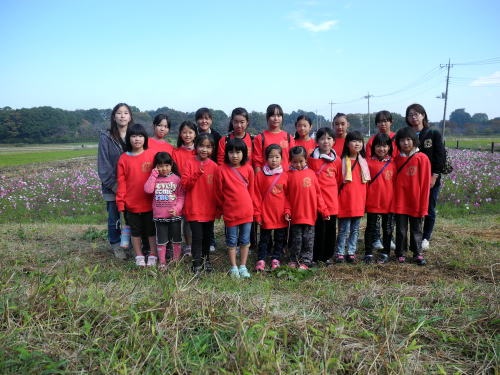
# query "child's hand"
(288, 217)
(172, 212)
(326, 217)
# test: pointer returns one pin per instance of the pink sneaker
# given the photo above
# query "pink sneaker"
(260, 266)
(303, 267)
(275, 263)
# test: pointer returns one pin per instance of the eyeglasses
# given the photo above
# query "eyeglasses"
(383, 120)
(413, 115)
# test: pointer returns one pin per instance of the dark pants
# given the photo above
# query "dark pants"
(372, 231)
(269, 246)
(201, 237)
(402, 237)
(430, 219)
(325, 237)
(302, 241)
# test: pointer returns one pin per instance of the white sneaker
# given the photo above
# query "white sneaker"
(212, 248)
(393, 245)
(425, 244)
(377, 245)
(152, 260)
(139, 261)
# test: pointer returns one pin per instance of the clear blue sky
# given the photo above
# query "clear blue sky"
(82, 54)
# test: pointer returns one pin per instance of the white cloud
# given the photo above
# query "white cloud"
(317, 27)
(493, 79)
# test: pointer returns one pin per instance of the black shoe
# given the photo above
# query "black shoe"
(207, 266)
(419, 259)
(368, 259)
(383, 259)
(351, 258)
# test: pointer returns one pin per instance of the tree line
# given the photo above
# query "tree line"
(54, 125)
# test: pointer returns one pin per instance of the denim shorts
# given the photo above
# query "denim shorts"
(238, 235)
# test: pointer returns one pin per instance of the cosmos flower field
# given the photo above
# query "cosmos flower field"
(70, 192)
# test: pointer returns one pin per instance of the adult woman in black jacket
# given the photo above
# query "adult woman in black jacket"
(431, 144)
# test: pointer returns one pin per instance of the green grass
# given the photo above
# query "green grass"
(22, 157)
(473, 143)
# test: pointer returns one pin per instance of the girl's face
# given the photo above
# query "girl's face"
(204, 150)
(137, 142)
(235, 157)
(303, 128)
(340, 125)
(416, 120)
(355, 147)
(274, 159)
(240, 124)
(384, 126)
(275, 120)
(122, 117)
(381, 151)
(204, 123)
(325, 143)
(161, 130)
(406, 145)
(298, 162)
(164, 169)
(187, 135)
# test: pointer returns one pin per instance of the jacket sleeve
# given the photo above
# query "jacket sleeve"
(257, 197)
(149, 186)
(438, 159)
(181, 197)
(257, 152)
(190, 174)
(105, 168)
(121, 192)
(221, 150)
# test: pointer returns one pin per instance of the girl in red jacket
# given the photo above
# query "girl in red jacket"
(352, 196)
(411, 194)
(379, 197)
(271, 208)
(134, 167)
(168, 199)
(303, 126)
(273, 134)
(234, 186)
(200, 207)
(325, 163)
(304, 195)
(185, 151)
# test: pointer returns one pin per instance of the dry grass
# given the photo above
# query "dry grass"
(68, 307)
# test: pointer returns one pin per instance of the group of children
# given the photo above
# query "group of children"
(293, 188)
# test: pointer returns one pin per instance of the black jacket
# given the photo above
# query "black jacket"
(431, 144)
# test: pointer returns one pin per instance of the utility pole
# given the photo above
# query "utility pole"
(368, 97)
(445, 95)
(331, 110)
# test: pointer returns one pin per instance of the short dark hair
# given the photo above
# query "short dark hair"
(159, 117)
(322, 131)
(163, 157)
(201, 137)
(381, 139)
(407, 132)
(272, 108)
(202, 112)
(383, 115)
(419, 109)
(136, 129)
(273, 146)
(183, 125)
(240, 111)
(297, 151)
(299, 118)
(236, 144)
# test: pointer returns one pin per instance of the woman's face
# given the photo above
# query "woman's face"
(123, 117)
(416, 120)
(340, 125)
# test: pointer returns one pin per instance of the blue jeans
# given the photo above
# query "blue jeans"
(238, 235)
(114, 230)
(430, 219)
(348, 233)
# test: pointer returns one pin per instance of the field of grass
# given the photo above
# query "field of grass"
(473, 143)
(68, 306)
(17, 156)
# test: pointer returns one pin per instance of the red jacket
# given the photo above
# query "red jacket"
(181, 155)
(304, 195)
(412, 186)
(339, 146)
(381, 190)
(160, 146)
(270, 200)
(222, 147)
(309, 145)
(198, 181)
(259, 147)
(234, 189)
(327, 174)
(132, 173)
(352, 195)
